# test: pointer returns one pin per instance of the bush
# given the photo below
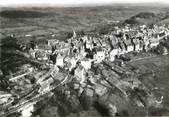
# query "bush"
(9, 42)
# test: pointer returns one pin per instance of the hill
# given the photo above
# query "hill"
(21, 14)
(165, 20)
(12, 57)
(45, 20)
(148, 18)
(142, 18)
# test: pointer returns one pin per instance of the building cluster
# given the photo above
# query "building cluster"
(78, 54)
(88, 49)
(86, 59)
(5, 98)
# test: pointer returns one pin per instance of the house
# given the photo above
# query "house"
(107, 49)
(73, 62)
(113, 40)
(41, 55)
(54, 71)
(124, 36)
(154, 42)
(96, 42)
(113, 54)
(143, 26)
(84, 38)
(121, 47)
(32, 53)
(79, 74)
(86, 63)
(129, 45)
(59, 60)
(65, 48)
(100, 89)
(146, 43)
(165, 51)
(103, 43)
(46, 85)
(81, 49)
(99, 56)
(5, 98)
(136, 44)
(28, 35)
(52, 42)
(59, 76)
(89, 44)
(142, 45)
(161, 35)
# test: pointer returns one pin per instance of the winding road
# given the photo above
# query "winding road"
(34, 98)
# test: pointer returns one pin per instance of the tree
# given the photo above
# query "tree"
(9, 42)
(160, 49)
(69, 34)
(81, 32)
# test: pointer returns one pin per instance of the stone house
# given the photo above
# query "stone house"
(154, 42)
(113, 53)
(79, 74)
(59, 60)
(129, 45)
(86, 63)
(136, 44)
(99, 56)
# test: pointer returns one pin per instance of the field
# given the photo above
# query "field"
(50, 20)
(154, 73)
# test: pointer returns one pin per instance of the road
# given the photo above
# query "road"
(20, 76)
(35, 98)
(141, 59)
(39, 97)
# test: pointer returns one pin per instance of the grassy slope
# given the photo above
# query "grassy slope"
(160, 66)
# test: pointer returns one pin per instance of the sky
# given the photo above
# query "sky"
(74, 2)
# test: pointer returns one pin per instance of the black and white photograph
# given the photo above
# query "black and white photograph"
(84, 58)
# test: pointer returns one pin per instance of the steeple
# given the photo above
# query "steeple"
(74, 33)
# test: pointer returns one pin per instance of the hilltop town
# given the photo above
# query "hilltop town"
(88, 68)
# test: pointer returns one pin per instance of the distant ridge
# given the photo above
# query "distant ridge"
(21, 14)
(154, 4)
(147, 18)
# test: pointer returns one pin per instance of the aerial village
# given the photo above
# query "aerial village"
(93, 63)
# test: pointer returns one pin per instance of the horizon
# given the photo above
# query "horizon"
(77, 3)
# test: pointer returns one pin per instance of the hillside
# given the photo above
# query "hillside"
(165, 20)
(12, 57)
(148, 18)
(42, 21)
